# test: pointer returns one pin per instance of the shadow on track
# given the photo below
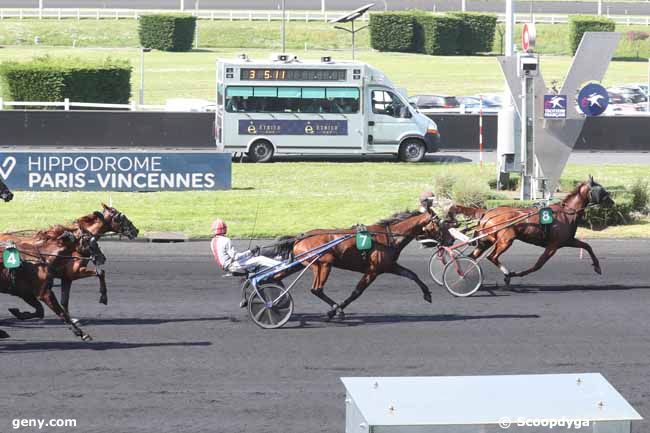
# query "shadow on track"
(309, 320)
(114, 321)
(539, 288)
(80, 345)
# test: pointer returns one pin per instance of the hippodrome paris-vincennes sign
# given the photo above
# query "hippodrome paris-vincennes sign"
(116, 171)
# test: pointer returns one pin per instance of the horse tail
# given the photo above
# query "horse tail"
(283, 247)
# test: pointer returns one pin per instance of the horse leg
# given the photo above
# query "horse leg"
(65, 293)
(47, 296)
(575, 243)
(365, 281)
(103, 290)
(546, 255)
(321, 272)
(38, 313)
(3, 334)
(404, 272)
(502, 245)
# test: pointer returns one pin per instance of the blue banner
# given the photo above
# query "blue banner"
(116, 171)
(293, 127)
(555, 106)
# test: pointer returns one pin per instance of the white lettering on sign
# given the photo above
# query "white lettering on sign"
(117, 171)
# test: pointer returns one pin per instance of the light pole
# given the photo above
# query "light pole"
(196, 27)
(40, 8)
(322, 6)
(283, 29)
(142, 51)
(182, 5)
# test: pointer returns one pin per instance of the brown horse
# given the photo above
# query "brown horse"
(32, 281)
(390, 236)
(504, 225)
(5, 195)
(97, 224)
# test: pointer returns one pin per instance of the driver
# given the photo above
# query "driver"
(231, 261)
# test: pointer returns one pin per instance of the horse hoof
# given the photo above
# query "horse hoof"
(598, 270)
(16, 313)
(427, 297)
(341, 315)
(86, 337)
(103, 300)
(3, 334)
(330, 314)
(243, 303)
(507, 279)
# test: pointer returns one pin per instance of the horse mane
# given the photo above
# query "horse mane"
(575, 192)
(53, 232)
(398, 217)
(87, 219)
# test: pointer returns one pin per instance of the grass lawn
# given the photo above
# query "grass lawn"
(192, 75)
(287, 198)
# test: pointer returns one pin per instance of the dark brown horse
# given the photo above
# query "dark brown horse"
(5, 195)
(97, 224)
(390, 236)
(504, 225)
(41, 261)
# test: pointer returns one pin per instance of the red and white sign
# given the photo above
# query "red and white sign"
(528, 38)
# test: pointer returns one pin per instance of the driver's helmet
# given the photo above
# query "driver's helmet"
(218, 227)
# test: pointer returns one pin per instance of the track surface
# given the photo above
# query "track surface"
(498, 6)
(173, 353)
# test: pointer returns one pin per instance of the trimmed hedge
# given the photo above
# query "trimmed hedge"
(167, 32)
(476, 33)
(579, 24)
(52, 80)
(392, 31)
(436, 34)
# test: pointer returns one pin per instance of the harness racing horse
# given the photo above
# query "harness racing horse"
(6, 195)
(504, 225)
(390, 236)
(97, 224)
(40, 263)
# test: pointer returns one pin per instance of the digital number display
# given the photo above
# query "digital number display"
(262, 74)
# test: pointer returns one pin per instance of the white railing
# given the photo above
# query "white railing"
(257, 15)
(67, 104)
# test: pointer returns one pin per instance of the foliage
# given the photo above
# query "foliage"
(392, 31)
(167, 32)
(436, 34)
(54, 79)
(640, 195)
(579, 24)
(476, 32)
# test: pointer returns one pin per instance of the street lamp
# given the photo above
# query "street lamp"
(350, 18)
(142, 51)
(284, 35)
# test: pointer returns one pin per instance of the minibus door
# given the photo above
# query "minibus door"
(388, 117)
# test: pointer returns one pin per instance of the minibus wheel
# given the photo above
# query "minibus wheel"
(412, 150)
(260, 151)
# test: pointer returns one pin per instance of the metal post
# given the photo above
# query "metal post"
(283, 29)
(463, 6)
(600, 7)
(352, 40)
(322, 6)
(648, 92)
(196, 28)
(510, 25)
(503, 178)
(40, 9)
(527, 138)
(141, 75)
(182, 5)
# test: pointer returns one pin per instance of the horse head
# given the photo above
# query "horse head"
(5, 193)
(118, 222)
(597, 194)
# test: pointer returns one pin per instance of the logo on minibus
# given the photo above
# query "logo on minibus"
(293, 127)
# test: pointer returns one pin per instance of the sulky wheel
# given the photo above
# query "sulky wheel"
(269, 307)
(437, 263)
(462, 276)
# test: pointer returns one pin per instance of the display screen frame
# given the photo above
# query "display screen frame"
(293, 74)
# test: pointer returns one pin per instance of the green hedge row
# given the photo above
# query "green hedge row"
(435, 34)
(52, 80)
(579, 24)
(167, 32)
(392, 31)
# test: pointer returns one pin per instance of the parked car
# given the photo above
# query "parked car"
(188, 104)
(472, 104)
(434, 102)
(619, 104)
(632, 95)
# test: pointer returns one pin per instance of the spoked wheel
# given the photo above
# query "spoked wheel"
(462, 276)
(437, 263)
(268, 307)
